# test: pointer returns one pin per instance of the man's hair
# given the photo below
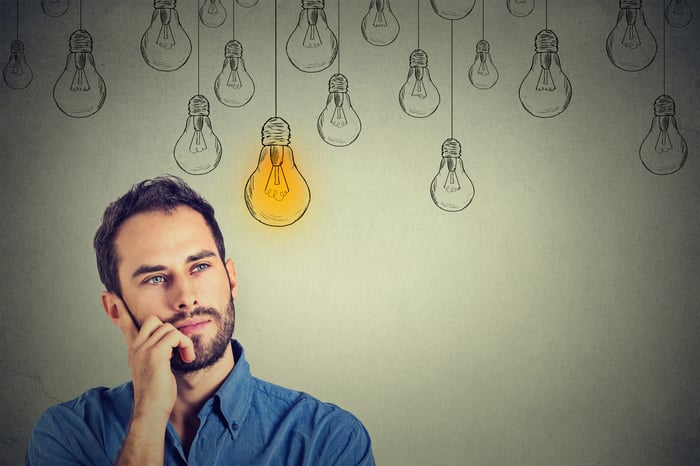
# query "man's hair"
(164, 194)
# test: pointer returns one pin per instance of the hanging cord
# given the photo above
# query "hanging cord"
(483, 20)
(418, 15)
(452, 73)
(546, 15)
(17, 19)
(338, 36)
(233, 19)
(275, 57)
(80, 14)
(198, 21)
(663, 46)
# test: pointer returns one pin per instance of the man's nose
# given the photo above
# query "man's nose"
(184, 294)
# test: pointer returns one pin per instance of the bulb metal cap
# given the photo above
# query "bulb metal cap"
(451, 148)
(198, 106)
(338, 83)
(482, 47)
(664, 106)
(307, 4)
(17, 46)
(630, 4)
(169, 4)
(418, 58)
(233, 49)
(275, 132)
(80, 41)
(546, 41)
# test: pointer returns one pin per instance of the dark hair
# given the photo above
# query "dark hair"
(164, 193)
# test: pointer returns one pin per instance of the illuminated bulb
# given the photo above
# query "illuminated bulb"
(234, 87)
(452, 189)
(483, 74)
(452, 9)
(165, 45)
(338, 123)
(198, 150)
(380, 26)
(80, 91)
(17, 73)
(312, 46)
(54, 8)
(678, 13)
(663, 150)
(520, 8)
(545, 90)
(212, 13)
(630, 45)
(276, 194)
(247, 3)
(418, 96)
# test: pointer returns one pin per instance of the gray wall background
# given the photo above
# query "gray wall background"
(554, 321)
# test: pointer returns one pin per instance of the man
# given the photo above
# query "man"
(160, 255)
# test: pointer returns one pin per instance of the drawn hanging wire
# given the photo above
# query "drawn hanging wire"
(80, 91)
(418, 96)
(631, 46)
(338, 124)
(483, 73)
(54, 8)
(520, 8)
(234, 87)
(380, 26)
(198, 150)
(678, 13)
(276, 193)
(545, 91)
(247, 3)
(452, 9)
(663, 151)
(212, 13)
(312, 45)
(452, 190)
(17, 74)
(165, 46)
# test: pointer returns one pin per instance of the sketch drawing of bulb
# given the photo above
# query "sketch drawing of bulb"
(247, 3)
(418, 96)
(54, 8)
(520, 8)
(379, 25)
(338, 123)
(663, 150)
(545, 91)
(630, 45)
(452, 9)
(678, 13)
(17, 73)
(165, 45)
(198, 150)
(212, 13)
(312, 46)
(452, 189)
(276, 193)
(483, 73)
(233, 86)
(80, 91)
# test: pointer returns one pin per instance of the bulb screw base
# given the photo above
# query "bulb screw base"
(546, 41)
(198, 106)
(275, 132)
(17, 46)
(80, 41)
(451, 149)
(233, 49)
(630, 4)
(308, 4)
(418, 59)
(482, 47)
(169, 4)
(338, 83)
(664, 106)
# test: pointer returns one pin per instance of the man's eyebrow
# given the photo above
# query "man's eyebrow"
(144, 269)
(201, 255)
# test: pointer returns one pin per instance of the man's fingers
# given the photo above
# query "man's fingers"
(179, 341)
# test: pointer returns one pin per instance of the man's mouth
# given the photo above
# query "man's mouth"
(191, 326)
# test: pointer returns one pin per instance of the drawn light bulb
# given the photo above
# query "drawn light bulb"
(312, 46)
(452, 9)
(54, 8)
(17, 73)
(198, 150)
(678, 13)
(663, 150)
(630, 45)
(165, 45)
(545, 91)
(80, 91)
(380, 26)
(418, 96)
(452, 189)
(520, 8)
(483, 73)
(234, 87)
(212, 13)
(338, 123)
(276, 194)
(247, 3)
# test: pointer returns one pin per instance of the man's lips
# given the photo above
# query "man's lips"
(190, 326)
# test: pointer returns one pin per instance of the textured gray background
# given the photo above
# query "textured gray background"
(554, 321)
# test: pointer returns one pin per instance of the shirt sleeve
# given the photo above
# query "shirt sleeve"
(349, 446)
(61, 438)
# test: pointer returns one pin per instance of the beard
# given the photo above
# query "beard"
(206, 352)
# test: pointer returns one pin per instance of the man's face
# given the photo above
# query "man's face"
(169, 266)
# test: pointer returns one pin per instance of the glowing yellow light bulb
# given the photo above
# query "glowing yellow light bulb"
(276, 194)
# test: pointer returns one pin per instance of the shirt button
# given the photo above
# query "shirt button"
(234, 426)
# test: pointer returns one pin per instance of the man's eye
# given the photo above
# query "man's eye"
(157, 280)
(200, 267)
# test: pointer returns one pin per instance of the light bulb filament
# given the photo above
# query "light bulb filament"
(16, 64)
(79, 82)
(165, 36)
(279, 188)
(663, 142)
(483, 65)
(419, 88)
(545, 81)
(213, 9)
(234, 79)
(452, 182)
(198, 143)
(380, 18)
(312, 38)
(339, 119)
(678, 7)
(631, 37)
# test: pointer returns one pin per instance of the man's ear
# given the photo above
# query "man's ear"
(231, 269)
(114, 307)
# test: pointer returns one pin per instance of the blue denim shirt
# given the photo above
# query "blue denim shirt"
(247, 422)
